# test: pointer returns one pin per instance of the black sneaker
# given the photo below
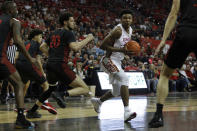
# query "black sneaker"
(31, 114)
(157, 121)
(58, 99)
(23, 123)
(3, 99)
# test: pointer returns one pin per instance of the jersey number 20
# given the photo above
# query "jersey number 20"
(55, 41)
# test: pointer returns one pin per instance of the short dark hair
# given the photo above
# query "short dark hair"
(64, 17)
(6, 6)
(125, 12)
(34, 33)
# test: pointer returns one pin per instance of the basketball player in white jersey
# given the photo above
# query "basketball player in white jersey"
(114, 44)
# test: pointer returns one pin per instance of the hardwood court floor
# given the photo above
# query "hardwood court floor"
(180, 115)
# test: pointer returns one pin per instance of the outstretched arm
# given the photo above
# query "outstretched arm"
(76, 46)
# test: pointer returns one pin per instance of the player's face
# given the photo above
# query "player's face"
(126, 20)
(11, 42)
(14, 10)
(71, 23)
(39, 38)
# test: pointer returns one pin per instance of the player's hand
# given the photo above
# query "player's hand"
(90, 36)
(127, 52)
(159, 48)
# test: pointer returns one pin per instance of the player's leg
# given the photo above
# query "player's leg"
(16, 81)
(12, 94)
(109, 67)
(162, 87)
(175, 58)
(56, 72)
(26, 87)
(162, 93)
(97, 102)
(121, 88)
(32, 113)
(70, 78)
(79, 87)
(3, 96)
(46, 105)
(38, 77)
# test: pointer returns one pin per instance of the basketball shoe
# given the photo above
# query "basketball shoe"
(157, 121)
(49, 107)
(128, 115)
(23, 123)
(97, 104)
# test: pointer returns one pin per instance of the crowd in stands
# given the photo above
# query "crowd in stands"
(99, 17)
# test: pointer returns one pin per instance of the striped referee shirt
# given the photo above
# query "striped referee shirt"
(11, 52)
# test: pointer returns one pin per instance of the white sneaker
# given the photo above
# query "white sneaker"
(96, 103)
(128, 115)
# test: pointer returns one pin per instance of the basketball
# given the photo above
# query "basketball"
(133, 46)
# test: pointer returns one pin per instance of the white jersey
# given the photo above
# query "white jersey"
(120, 43)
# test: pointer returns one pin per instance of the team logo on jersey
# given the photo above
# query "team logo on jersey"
(126, 40)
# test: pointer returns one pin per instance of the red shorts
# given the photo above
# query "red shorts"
(59, 71)
(183, 45)
(29, 71)
(6, 68)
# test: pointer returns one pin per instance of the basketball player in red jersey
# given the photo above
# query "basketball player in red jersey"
(10, 27)
(30, 72)
(184, 43)
(58, 46)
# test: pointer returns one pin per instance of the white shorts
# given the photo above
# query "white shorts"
(113, 68)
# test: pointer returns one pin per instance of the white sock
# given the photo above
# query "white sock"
(126, 108)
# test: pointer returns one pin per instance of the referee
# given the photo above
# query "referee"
(11, 53)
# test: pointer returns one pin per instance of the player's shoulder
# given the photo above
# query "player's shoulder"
(118, 28)
(14, 20)
(117, 31)
(66, 31)
(60, 31)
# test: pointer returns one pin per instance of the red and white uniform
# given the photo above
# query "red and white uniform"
(112, 65)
